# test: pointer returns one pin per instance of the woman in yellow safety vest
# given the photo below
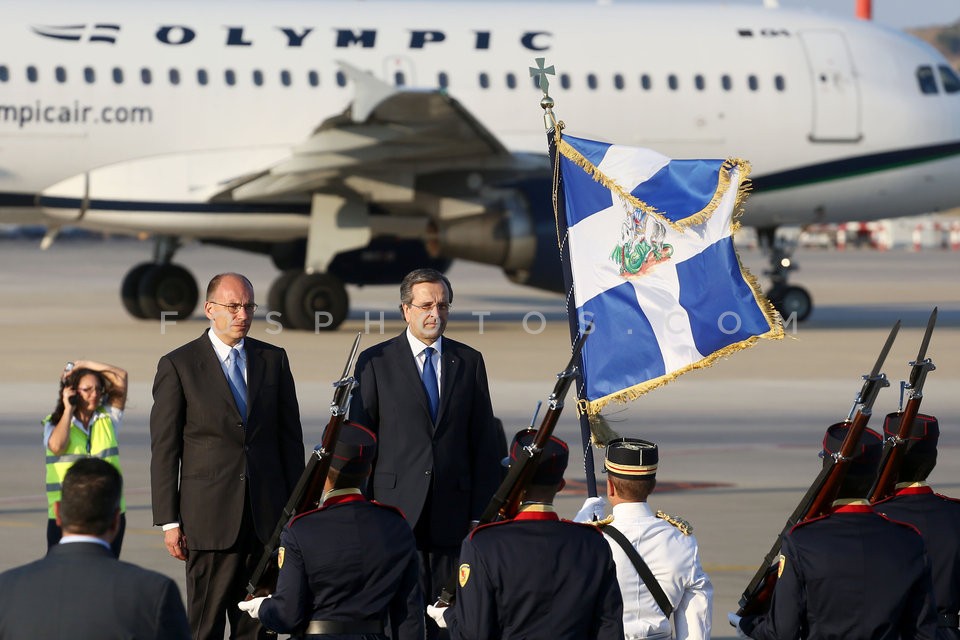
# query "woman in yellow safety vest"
(84, 423)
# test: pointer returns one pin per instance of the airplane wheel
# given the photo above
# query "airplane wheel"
(792, 300)
(168, 288)
(312, 293)
(277, 295)
(130, 287)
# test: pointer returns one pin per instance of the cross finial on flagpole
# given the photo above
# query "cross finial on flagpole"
(540, 73)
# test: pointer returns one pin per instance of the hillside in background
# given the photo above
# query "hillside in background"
(946, 39)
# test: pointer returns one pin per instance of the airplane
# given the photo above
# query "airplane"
(352, 141)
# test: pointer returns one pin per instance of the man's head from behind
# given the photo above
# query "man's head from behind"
(90, 502)
(352, 459)
(631, 466)
(919, 455)
(547, 479)
(863, 463)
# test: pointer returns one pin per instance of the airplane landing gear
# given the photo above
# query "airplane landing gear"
(309, 301)
(160, 289)
(789, 300)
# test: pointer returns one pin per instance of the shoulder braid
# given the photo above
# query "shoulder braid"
(685, 527)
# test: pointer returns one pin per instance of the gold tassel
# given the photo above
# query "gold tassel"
(600, 430)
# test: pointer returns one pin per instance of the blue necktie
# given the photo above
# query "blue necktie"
(429, 378)
(235, 377)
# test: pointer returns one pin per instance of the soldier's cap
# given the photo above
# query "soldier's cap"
(631, 458)
(865, 458)
(923, 436)
(355, 449)
(553, 459)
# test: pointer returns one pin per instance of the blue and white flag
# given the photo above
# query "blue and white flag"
(653, 266)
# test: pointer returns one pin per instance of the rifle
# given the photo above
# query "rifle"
(506, 500)
(309, 489)
(818, 498)
(892, 456)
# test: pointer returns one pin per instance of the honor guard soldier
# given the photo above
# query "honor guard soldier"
(535, 576)
(853, 573)
(936, 516)
(350, 568)
(657, 558)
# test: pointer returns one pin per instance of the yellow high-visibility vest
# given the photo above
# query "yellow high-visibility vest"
(101, 443)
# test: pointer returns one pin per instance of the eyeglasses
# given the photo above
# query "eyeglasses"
(235, 307)
(441, 307)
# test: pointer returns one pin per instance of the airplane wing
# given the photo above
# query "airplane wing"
(385, 131)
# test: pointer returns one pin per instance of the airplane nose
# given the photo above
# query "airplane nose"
(67, 199)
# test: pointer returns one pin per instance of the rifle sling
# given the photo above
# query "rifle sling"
(648, 578)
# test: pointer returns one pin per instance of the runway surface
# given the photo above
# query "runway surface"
(738, 441)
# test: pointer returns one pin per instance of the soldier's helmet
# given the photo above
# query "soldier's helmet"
(553, 460)
(920, 445)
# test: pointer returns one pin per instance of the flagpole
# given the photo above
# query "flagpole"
(553, 128)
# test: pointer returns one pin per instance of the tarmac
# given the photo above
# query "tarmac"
(738, 441)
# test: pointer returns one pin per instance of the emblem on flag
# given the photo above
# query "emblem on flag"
(464, 574)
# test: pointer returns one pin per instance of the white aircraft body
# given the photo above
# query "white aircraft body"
(352, 141)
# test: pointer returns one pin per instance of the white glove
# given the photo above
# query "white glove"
(591, 510)
(436, 613)
(735, 623)
(252, 606)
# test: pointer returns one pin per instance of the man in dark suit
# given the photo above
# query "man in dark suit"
(536, 576)
(936, 516)
(80, 590)
(349, 568)
(426, 398)
(227, 450)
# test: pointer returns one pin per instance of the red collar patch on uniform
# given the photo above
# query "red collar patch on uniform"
(537, 515)
(352, 497)
(853, 508)
(914, 491)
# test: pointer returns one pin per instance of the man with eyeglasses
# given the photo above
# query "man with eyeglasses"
(427, 399)
(227, 450)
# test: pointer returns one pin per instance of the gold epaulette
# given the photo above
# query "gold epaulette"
(600, 523)
(685, 527)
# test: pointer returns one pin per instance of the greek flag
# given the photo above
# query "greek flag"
(649, 247)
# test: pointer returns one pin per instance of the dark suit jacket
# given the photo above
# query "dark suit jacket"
(205, 457)
(79, 590)
(458, 458)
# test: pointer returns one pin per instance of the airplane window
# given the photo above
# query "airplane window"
(618, 81)
(699, 82)
(726, 82)
(32, 73)
(645, 82)
(230, 77)
(4, 73)
(341, 79)
(89, 75)
(313, 78)
(145, 76)
(202, 77)
(484, 81)
(174, 76)
(752, 82)
(285, 78)
(511, 81)
(61, 74)
(117, 75)
(565, 80)
(258, 77)
(928, 83)
(592, 81)
(672, 82)
(443, 80)
(399, 79)
(951, 83)
(780, 82)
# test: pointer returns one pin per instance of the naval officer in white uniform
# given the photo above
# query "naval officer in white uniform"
(675, 599)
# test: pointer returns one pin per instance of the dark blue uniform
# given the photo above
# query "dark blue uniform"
(938, 519)
(853, 574)
(536, 577)
(349, 561)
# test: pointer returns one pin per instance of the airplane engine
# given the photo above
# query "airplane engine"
(516, 232)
